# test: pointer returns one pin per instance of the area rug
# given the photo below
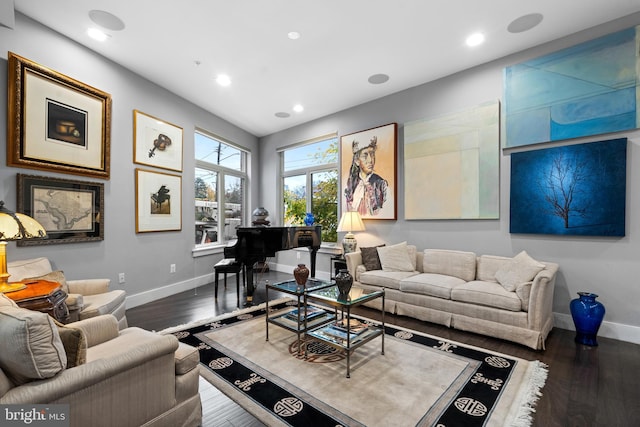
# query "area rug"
(420, 380)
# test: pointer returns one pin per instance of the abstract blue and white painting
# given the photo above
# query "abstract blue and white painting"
(587, 89)
(574, 190)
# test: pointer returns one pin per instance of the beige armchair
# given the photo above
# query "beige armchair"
(107, 376)
(86, 298)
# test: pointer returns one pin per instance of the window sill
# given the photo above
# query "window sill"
(199, 251)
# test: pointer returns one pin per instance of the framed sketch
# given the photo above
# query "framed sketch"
(158, 201)
(70, 211)
(56, 123)
(368, 172)
(156, 142)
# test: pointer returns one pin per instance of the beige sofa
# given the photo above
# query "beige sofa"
(107, 376)
(503, 297)
(86, 298)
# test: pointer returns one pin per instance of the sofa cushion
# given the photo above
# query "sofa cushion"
(488, 265)
(370, 258)
(524, 293)
(437, 285)
(31, 345)
(75, 344)
(53, 276)
(5, 383)
(385, 279)
(489, 294)
(522, 268)
(459, 264)
(22, 269)
(396, 258)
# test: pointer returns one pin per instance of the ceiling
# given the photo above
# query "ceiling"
(183, 46)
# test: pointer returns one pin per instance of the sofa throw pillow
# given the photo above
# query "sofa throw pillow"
(74, 342)
(522, 268)
(370, 258)
(54, 276)
(395, 258)
(31, 345)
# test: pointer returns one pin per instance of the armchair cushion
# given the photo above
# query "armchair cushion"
(75, 344)
(22, 269)
(32, 348)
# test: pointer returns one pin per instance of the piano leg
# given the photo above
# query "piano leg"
(313, 252)
(250, 287)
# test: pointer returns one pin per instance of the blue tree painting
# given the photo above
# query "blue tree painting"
(574, 190)
(588, 89)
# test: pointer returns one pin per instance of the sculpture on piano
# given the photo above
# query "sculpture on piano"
(260, 216)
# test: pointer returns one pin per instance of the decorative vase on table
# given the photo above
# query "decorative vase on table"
(344, 280)
(301, 274)
(587, 316)
(309, 219)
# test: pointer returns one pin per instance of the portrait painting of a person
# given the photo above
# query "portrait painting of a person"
(367, 187)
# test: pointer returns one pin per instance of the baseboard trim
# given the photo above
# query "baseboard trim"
(168, 290)
(617, 331)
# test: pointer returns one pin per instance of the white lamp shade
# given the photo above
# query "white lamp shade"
(351, 221)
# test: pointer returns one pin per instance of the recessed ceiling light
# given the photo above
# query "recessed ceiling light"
(525, 23)
(475, 39)
(298, 108)
(223, 80)
(282, 115)
(377, 79)
(97, 34)
(293, 35)
(106, 20)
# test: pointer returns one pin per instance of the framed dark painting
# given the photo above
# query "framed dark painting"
(573, 190)
(158, 201)
(71, 211)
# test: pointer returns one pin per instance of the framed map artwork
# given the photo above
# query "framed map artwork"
(70, 211)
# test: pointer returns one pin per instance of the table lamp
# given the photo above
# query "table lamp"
(350, 221)
(15, 226)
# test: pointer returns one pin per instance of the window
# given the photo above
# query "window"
(310, 184)
(220, 181)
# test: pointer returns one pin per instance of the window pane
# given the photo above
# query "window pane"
(217, 152)
(206, 206)
(318, 153)
(324, 203)
(234, 205)
(295, 203)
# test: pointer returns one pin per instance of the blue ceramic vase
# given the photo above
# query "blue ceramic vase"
(587, 316)
(309, 219)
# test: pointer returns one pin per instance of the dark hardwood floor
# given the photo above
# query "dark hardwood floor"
(587, 386)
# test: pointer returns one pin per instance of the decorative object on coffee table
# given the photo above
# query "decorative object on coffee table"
(260, 216)
(15, 226)
(309, 219)
(344, 280)
(301, 274)
(587, 316)
(350, 221)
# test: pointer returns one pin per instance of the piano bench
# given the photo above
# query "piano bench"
(225, 266)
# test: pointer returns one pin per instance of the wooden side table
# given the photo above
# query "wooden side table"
(45, 296)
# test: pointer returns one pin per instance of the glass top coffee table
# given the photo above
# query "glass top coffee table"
(302, 317)
(344, 332)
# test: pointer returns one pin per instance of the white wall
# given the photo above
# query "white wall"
(144, 258)
(607, 266)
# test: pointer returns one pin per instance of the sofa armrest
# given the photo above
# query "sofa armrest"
(354, 259)
(151, 347)
(89, 286)
(541, 297)
(99, 329)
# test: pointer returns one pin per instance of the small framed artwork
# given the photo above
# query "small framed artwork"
(158, 201)
(56, 123)
(368, 172)
(156, 142)
(70, 211)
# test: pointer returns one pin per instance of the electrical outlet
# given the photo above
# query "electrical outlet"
(298, 254)
(172, 268)
(121, 278)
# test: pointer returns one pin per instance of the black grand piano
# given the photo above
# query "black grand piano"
(255, 244)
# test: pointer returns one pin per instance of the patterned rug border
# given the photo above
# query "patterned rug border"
(492, 370)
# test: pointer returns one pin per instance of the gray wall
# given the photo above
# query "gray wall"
(606, 266)
(144, 258)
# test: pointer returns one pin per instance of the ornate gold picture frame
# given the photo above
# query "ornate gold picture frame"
(56, 123)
